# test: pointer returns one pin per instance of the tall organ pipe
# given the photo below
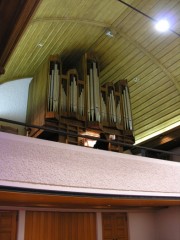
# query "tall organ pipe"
(128, 108)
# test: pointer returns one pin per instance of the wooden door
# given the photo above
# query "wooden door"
(114, 226)
(60, 226)
(8, 225)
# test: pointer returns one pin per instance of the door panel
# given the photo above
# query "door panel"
(60, 226)
(114, 226)
(8, 225)
(107, 226)
(121, 227)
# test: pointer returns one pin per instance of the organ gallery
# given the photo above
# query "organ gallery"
(72, 100)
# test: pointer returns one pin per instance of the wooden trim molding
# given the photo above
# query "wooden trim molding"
(44, 199)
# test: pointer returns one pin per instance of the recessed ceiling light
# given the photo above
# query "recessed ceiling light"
(109, 33)
(40, 44)
(162, 25)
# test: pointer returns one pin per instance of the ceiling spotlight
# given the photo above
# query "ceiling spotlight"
(162, 25)
(109, 33)
(40, 45)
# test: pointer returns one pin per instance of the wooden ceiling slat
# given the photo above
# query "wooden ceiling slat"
(140, 63)
(146, 82)
(157, 113)
(142, 71)
(161, 8)
(110, 55)
(143, 23)
(158, 104)
(121, 60)
(171, 58)
(175, 69)
(164, 47)
(148, 100)
(124, 17)
(164, 122)
(159, 86)
(145, 76)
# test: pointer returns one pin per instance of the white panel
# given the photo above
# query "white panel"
(141, 226)
(21, 225)
(39, 164)
(13, 99)
(168, 223)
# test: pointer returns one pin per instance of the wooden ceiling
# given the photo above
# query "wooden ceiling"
(149, 60)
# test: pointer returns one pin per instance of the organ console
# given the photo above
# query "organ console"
(73, 101)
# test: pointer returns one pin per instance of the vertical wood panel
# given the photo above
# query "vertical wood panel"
(60, 226)
(8, 225)
(115, 226)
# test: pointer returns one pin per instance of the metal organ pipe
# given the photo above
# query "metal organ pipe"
(89, 98)
(53, 93)
(93, 92)
(103, 109)
(128, 108)
(118, 112)
(96, 91)
(63, 96)
(125, 109)
(91, 95)
(113, 107)
(74, 94)
(81, 100)
(56, 88)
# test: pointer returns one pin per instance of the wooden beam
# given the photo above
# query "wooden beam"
(15, 16)
(59, 200)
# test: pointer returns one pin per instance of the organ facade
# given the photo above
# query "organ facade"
(72, 101)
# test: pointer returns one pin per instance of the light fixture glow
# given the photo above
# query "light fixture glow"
(40, 45)
(162, 25)
(109, 33)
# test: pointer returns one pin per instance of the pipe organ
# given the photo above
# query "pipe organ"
(53, 93)
(93, 90)
(73, 101)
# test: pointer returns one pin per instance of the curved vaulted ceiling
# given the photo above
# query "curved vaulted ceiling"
(149, 60)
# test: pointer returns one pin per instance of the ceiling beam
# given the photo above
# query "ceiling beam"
(25, 198)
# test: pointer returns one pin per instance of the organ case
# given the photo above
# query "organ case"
(73, 101)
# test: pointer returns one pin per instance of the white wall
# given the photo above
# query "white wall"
(168, 224)
(36, 163)
(142, 226)
(13, 100)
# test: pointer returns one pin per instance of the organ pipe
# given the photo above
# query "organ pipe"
(53, 93)
(99, 104)
(128, 108)
(93, 92)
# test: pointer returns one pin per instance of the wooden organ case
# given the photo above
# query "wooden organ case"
(72, 101)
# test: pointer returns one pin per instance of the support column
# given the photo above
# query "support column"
(21, 225)
(99, 225)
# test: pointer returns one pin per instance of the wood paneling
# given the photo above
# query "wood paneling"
(60, 226)
(10, 198)
(8, 225)
(114, 226)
